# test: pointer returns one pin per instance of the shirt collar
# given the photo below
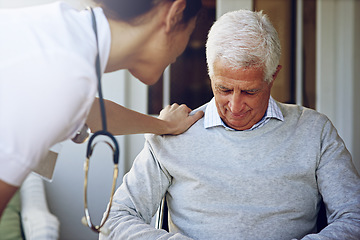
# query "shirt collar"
(212, 118)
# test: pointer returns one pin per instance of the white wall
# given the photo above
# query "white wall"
(338, 69)
(356, 87)
(223, 6)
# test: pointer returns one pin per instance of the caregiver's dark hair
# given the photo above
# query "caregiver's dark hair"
(127, 10)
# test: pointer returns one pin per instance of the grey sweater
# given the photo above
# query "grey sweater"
(260, 184)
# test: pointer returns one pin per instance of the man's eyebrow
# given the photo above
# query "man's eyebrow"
(252, 90)
(221, 86)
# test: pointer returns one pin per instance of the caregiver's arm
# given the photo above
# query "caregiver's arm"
(173, 119)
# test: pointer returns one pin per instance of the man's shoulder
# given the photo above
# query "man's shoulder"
(297, 112)
(201, 108)
(195, 129)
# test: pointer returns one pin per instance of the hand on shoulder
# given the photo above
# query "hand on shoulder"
(178, 118)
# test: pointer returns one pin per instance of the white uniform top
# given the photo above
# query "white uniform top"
(47, 80)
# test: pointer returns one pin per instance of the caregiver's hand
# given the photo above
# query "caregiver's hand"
(178, 118)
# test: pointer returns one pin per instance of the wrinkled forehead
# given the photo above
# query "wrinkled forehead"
(223, 68)
(239, 62)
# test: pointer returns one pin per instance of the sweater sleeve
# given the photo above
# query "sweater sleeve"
(137, 200)
(339, 185)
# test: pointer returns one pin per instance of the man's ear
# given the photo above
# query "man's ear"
(175, 14)
(279, 67)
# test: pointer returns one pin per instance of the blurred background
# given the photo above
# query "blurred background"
(320, 61)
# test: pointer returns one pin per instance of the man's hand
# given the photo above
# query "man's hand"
(178, 118)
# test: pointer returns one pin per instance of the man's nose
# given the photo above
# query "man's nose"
(236, 103)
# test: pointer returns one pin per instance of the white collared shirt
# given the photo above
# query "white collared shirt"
(212, 118)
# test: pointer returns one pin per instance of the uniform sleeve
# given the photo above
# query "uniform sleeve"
(339, 185)
(137, 200)
(44, 99)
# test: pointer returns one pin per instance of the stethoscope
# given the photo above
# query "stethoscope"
(113, 144)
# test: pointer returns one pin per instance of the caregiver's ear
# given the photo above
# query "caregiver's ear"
(175, 14)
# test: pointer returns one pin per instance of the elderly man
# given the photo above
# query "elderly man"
(252, 168)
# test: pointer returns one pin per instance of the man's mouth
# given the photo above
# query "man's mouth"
(239, 115)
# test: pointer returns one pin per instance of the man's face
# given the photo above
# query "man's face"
(241, 96)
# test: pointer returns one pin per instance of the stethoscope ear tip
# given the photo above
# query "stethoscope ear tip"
(83, 221)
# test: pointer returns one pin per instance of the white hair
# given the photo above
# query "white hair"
(244, 39)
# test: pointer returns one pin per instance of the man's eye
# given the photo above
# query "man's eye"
(224, 90)
(250, 92)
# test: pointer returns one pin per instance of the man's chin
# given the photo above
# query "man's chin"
(238, 125)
